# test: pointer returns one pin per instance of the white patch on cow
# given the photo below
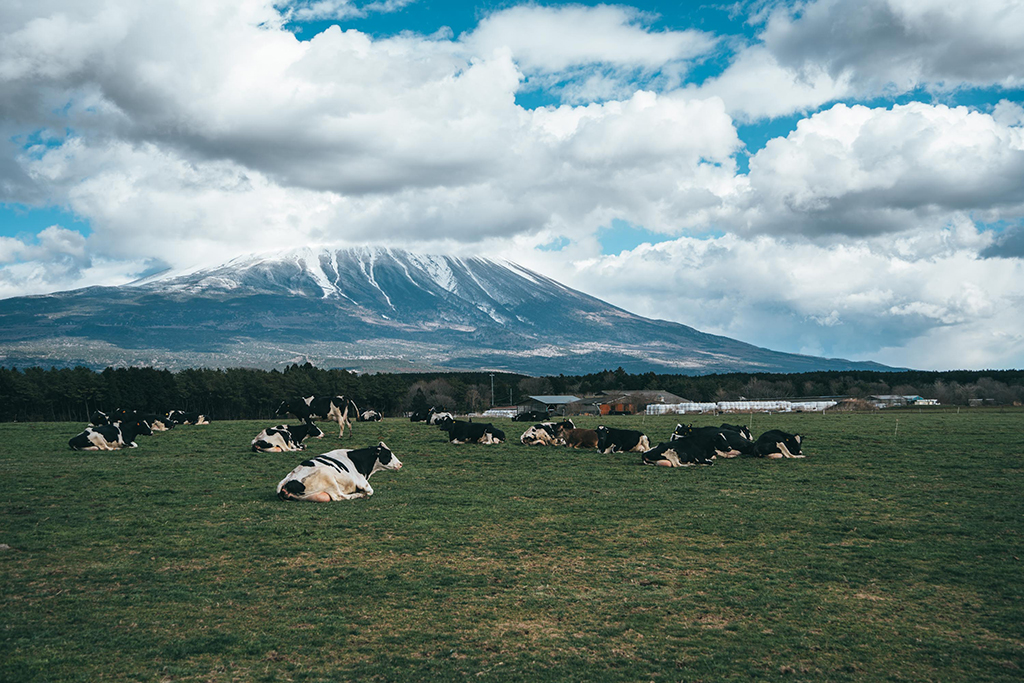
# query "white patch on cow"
(785, 451)
(644, 444)
(308, 399)
(726, 454)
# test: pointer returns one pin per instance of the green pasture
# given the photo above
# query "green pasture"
(889, 554)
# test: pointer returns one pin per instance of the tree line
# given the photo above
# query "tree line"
(71, 394)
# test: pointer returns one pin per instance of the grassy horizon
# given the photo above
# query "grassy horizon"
(885, 555)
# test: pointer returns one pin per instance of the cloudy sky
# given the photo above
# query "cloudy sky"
(825, 177)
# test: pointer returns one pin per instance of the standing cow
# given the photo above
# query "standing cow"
(334, 408)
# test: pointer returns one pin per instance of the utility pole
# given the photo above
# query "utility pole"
(492, 389)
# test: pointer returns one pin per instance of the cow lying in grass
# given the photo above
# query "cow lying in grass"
(778, 444)
(471, 432)
(110, 437)
(734, 444)
(545, 434)
(342, 474)
(684, 452)
(578, 438)
(285, 438)
(611, 440)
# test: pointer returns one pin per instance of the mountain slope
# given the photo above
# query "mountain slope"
(369, 309)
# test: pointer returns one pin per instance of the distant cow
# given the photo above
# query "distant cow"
(370, 416)
(342, 474)
(471, 432)
(421, 415)
(684, 452)
(285, 438)
(110, 437)
(621, 440)
(334, 408)
(530, 416)
(778, 444)
(158, 423)
(545, 434)
(578, 438)
(187, 418)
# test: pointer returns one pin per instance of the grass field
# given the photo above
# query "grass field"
(885, 555)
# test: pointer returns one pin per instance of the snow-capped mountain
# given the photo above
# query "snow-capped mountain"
(368, 309)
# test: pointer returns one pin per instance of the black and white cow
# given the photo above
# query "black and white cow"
(334, 408)
(370, 416)
(342, 474)
(421, 415)
(778, 444)
(98, 419)
(438, 418)
(739, 428)
(684, 452)
(728, 444)
(285, 438)
(621, 440)
(182, 417)
(110, 437)
(530, 416)
(471, 432)
(158, 423)
(545, 434)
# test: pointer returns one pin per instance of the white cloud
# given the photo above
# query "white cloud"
(556, 39)
(856, 170)
(876, 299)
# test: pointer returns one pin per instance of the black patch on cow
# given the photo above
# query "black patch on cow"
(331, 462)
(292, 486)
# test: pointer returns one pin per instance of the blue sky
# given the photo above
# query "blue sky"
(825, 177)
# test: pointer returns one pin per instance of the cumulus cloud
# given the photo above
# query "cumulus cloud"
(876, 299)
(857, 170)
(900, 45)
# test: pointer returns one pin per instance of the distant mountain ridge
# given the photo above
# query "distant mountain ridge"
(369, 309)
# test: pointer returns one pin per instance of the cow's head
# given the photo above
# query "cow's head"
(497, 434)
(140, 427)
(283, 409)
(791, 445)
(385, 459)
(446, 424)
(314, 432)
(682, 431)
(602, 437)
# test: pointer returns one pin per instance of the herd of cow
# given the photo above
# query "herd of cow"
(343, 474)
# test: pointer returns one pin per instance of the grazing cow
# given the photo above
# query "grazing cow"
(184, 418)
(621, 440)
(739, 428)
(530, 416)
(98, 419)
(684, 452)
(334, 408)
(471, 432)
(110, 437)
(545, 434)
(727, 443)
(370, 416)
(342, 474)
(578, 438)
(285, 438)
(778, 444)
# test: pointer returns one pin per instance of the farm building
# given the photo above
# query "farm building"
(501, 411)
(552, 405)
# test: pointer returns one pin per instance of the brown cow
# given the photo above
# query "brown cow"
(578, 438)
